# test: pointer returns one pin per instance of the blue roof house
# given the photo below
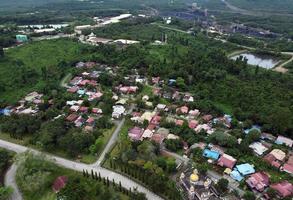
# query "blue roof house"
(245, 169)
(81, 92)
(236, 175)
(5, 111)
(211, 154)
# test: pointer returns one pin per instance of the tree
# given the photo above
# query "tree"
(222, 185)
(5, 193)
(97, 146)
(180, 83)
(1, 52)
(249, 196)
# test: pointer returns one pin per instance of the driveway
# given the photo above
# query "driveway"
(9, 180)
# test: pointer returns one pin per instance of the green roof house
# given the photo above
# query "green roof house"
(21, 38)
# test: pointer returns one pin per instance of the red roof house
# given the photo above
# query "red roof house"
(258, 181)
(288, 166)
(135, 133)
(72, 89)
(284, 189)
(83, 109)
(207, 118)
(151, 127)
(272, 160)
(59, 183)
(182, 110)
(179, 122)
(192, 124)
(72, 117)
(158, 138)
(90, 120)
(156, 120)
(227, 161)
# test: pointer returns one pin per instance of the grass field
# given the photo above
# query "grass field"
(20, 70)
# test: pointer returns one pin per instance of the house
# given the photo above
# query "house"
(90, 120)
(258, 181)
(158, 138)
(227, 161)
(207, 118)
(284, 189)
(97, 111)
(147, 116)
(188, 98)
(59, 183)
(156, 120)
(145, 98)
(73, 89)
(79, 121)
(135, 133)
(258, 148)
(32, 96)
(161, 106)
(179, 122)
(74, 108)
(147, 134)
(284, 141)
(217, 148)
(79, 65)
(172, 137)
(88, 128)
(96, 95)
(245, 169)
(267, 136)
(288, 166)
(211, 154)
(194, 113)
(89, 64)
(200, 145)
(204, 127)
(192, 124)
(83, 109)
(155, 80)
(72, 117)
(21, 38)
(163, 131)
(235, 174)
(76, 80)
(118, 111)
(275, 157)
(151, 127)
(182, 110)
(176, 95)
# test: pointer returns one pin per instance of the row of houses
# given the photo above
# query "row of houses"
(257, 181)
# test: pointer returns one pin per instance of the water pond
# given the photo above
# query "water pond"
(267, 62)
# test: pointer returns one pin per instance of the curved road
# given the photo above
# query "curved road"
(10, 181)
(126, 182)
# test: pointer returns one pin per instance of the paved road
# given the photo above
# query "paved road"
(9, 180)
(126, 182)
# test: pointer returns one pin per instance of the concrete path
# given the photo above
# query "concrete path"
(112, 140)
(9, 180)
(126, 182)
